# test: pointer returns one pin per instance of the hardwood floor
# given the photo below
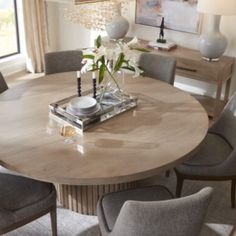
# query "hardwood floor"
(21, 77)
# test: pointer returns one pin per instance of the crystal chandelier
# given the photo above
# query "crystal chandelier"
(95, 15)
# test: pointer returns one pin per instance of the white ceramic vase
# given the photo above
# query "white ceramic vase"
(118, 27)
(213, 44)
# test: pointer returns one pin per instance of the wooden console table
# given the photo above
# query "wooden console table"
(191, 65)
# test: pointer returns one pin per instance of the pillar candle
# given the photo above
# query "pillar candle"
(94, 75)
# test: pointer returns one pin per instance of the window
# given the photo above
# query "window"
(9, 35)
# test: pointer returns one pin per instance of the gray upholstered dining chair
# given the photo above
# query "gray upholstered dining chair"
(23, 200)
(63, 61)
(215, 159)
(3, 84)
(158, 67)
(151, 211)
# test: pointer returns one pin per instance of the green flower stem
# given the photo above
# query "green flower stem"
(113, 78)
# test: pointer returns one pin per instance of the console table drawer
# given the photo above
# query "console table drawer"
(197, 70)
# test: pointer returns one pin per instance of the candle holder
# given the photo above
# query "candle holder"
(78, 83)
(94, 87)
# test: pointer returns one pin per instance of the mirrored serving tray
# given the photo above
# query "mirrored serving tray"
(110, 107)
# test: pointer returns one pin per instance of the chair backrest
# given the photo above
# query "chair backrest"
(63, 61)
(158, 67)
(3, 84)
(179, 217)
(226, 124)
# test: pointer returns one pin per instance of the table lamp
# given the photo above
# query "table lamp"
(100, 15)
(212, 43)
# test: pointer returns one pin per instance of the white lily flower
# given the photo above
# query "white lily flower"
(87, 67)
(111, 56)
(86, 60)
(88, 51)
(137, 70)
(102, 51)
(117, 50)
(133, 41)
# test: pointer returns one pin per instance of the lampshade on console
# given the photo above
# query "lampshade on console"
(213, 43)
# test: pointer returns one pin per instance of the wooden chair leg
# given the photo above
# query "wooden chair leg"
(53, 215)
(99, 233)
(167, 173)
(233, 185)
(180, 181)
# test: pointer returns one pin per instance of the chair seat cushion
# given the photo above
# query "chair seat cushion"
(110, 204)
(213, 151)
(17, 192)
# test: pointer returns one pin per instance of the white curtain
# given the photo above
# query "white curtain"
(35, 21)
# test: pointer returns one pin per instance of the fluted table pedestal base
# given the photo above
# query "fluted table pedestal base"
(83, 199)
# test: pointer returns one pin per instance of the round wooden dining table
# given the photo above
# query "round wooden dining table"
(162, 131)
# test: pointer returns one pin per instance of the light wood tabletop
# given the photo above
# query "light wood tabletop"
(165, 127)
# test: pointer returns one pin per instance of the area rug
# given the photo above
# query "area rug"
(219, 220)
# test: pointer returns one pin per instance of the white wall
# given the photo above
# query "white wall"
(53, 26)
(63, 34)
(71, 36)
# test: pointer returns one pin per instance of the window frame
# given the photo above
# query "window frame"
(17, 33)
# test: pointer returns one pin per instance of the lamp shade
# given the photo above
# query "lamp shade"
(217, 7)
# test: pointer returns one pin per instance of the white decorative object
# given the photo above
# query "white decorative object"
(83, 106)
(166, 46)
(118, 27)
(213, 43)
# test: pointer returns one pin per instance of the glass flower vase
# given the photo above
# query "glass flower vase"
(112, 88)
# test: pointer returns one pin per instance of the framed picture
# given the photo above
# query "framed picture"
(179, 15)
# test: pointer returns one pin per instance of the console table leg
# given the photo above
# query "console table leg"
(217, 104)
(227, 89)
